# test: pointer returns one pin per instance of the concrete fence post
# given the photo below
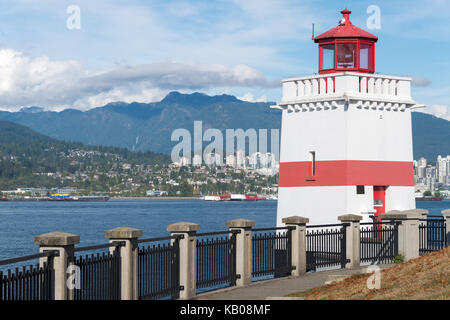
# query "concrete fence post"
(408, 231)
(63, 243)
(422, 212)
(353, 239)
(243, 249)
(422, 222)
(446, 214)
(298, 243)
(129, 259)
(188, 256)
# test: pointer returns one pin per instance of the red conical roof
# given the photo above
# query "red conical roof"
(346, 29)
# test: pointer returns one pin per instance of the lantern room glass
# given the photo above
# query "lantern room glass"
(364, 56)
(346, 55)
(328, 56)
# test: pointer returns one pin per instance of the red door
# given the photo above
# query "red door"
(379, 204)
(379, 201)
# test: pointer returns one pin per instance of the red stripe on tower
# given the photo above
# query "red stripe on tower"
(346, 173)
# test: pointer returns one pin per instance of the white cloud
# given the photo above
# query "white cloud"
(420, 82)
(243, 32)
(441, 111)
(26, 81)
(181, 9)
(250, 98)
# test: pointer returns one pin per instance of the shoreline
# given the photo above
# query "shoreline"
(153, 198)
(110, 199)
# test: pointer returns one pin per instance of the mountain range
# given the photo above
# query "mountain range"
(148, 126)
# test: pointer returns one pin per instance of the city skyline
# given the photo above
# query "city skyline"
(430, 177)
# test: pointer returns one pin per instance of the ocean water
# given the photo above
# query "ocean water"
(21, 221)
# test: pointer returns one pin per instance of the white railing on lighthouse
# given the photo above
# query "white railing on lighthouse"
(349, 83)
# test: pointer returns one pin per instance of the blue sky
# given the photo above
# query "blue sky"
(133, 50)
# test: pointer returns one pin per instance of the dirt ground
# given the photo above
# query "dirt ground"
(423, 278)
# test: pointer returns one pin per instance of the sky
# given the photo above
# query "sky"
(83, 54)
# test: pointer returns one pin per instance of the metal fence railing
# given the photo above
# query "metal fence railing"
(271, 252)
(156, 262)
(158, 268)
(216, 259)
(99, 274)
(326, 246)
(31, 282)
(378, 242)
(432, 235)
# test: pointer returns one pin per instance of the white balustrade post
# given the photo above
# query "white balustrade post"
(289, 90)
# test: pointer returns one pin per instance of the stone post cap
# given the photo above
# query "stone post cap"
(240, 223)
(297, 220)
(446, 213)
(123, 233)
(183, 227)
(419, 211)
(350, 218)
(401, 215)
(56, 239)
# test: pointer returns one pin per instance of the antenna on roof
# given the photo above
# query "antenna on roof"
(313, 31)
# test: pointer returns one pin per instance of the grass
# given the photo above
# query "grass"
(423, 278)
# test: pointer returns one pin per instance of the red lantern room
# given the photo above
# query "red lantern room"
(346, 48)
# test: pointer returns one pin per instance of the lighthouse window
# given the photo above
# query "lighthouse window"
(360, 190)
(328, 56)
(346, 55)
(364, 56)
(313, 163)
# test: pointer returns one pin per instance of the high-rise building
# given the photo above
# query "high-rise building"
(240, 159)
(421, 165)
(213, 159)
(442, 165)
(231, 161)
(197, 160)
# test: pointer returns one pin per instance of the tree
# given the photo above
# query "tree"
(427, 194)
(186, 189)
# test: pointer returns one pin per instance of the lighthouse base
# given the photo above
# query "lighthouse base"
(334, 201)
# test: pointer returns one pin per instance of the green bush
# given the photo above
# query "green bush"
(399, 259)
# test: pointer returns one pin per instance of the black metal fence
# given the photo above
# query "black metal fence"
(216, 259)
(158, 268)
(326, 246)
(379, 242)
(432, 235)
(99, 274)
(272, 252)
(32, 282)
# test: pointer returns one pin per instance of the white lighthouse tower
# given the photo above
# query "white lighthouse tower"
(346, 139)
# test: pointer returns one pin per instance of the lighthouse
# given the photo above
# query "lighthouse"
(346, 138)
